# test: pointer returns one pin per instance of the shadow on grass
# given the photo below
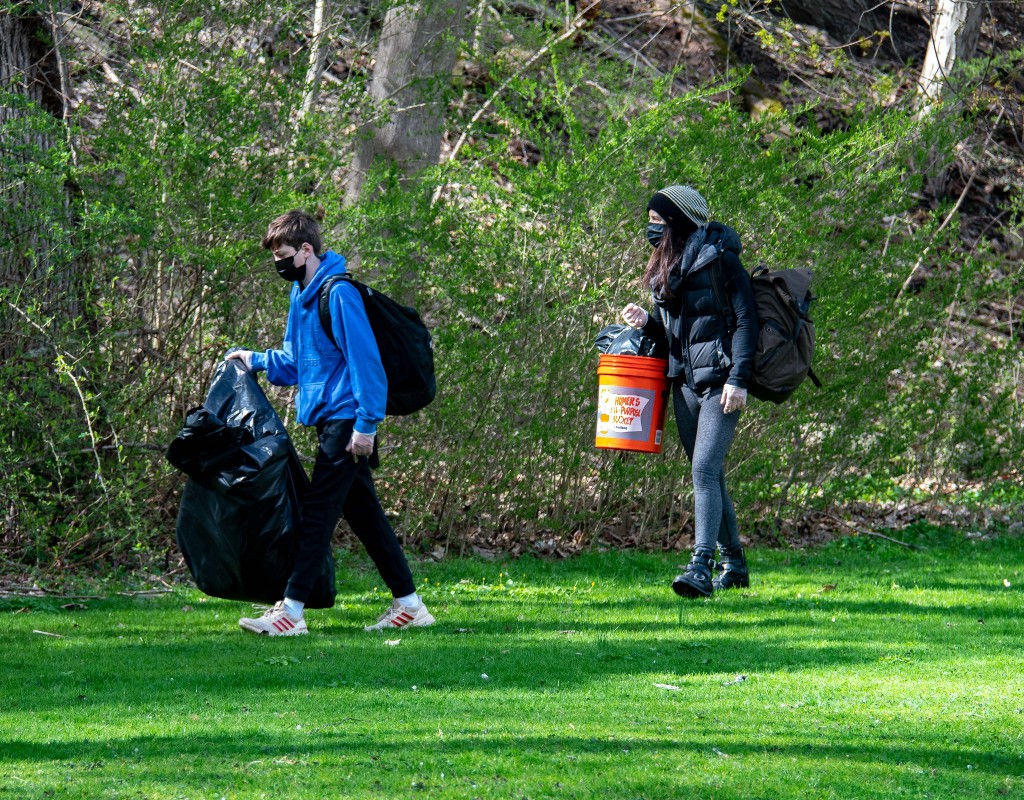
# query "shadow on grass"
(184, 671)
(593, 641)
(167, 758)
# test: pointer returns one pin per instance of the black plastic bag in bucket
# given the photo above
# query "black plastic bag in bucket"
(625, 340)
(239, 516)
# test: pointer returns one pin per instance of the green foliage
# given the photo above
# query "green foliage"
(528, 261)
(854, 672)
(197, 150)
(517, 252)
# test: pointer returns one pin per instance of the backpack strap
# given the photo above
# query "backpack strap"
(721, 298)
(324, 304)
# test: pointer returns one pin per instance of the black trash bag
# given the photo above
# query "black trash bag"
(625, 340)
(239, 516)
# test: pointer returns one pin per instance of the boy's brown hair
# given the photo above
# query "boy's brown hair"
(294, 229)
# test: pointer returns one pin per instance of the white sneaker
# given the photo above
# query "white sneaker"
(275, 622)
(399, 616)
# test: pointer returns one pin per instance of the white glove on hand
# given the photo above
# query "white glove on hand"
(634, 315)
(245, 356)
(733, 398)
(361, 444)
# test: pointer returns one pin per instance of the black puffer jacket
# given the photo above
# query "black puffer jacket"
(705, 350)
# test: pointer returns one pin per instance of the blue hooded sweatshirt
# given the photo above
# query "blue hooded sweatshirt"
(343, 382)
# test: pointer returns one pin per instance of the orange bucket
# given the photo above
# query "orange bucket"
(631, 395)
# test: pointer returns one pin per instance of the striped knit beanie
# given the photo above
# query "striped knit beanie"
(680, 206)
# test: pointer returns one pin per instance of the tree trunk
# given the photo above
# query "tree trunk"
(317, 54)
(955, 32)
(411, 78)
(852, 20)
(956, 28)
(23, 79)
(34, 205)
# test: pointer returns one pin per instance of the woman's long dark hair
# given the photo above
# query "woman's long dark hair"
(663, 258)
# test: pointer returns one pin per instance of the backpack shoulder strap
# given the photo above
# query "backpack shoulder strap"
(324, 300)
(721, 298)
(324, 304)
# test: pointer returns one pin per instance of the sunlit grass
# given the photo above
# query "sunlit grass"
(860, 670)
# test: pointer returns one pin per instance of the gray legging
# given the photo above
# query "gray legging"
(706, 433)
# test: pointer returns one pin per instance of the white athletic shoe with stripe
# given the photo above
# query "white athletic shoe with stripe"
(398, 616)
(275, 622)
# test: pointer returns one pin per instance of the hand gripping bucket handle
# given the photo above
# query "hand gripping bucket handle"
(631, 397)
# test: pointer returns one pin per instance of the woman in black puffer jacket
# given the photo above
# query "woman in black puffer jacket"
(704, 306)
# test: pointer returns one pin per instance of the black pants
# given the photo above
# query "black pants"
(343, 485)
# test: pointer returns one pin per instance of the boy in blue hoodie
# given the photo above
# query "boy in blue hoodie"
(342, 391)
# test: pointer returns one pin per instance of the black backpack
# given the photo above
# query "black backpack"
(785, 340)
(406, 349)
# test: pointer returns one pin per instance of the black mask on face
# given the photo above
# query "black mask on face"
(288, 271)
(655, 233)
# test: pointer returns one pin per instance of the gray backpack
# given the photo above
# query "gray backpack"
(785, 341)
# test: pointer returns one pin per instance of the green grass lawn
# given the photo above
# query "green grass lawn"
(541, 679)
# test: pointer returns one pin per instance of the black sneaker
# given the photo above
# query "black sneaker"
(696, 580)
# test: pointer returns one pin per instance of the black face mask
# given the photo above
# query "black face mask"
(288, 271)
(655, 233)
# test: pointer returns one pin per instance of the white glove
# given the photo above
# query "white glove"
(634, 315)
(245, 356)
(361, 444)
(733, 398)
